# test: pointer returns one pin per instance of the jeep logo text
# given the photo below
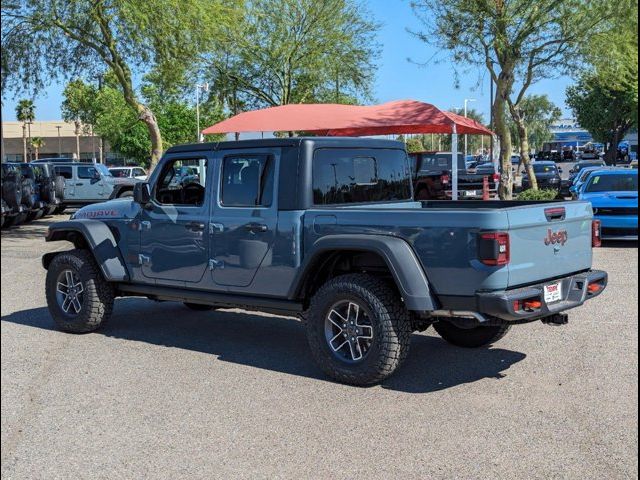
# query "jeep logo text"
(554, 238)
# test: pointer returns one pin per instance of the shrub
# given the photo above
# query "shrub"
(545, 194)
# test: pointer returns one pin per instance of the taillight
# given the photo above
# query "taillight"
(444, 179)
(494, 248)
(496, 178)
(596, 233)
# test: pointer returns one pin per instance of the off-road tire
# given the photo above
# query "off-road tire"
(198, 307)
(60, 210)
(125, 194)
(11, 191)
(98, 294)
(28, 191)
(470, 337)
(59, 187)
(391, 328)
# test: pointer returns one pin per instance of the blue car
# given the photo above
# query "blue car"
(581, 178)
(613, 194)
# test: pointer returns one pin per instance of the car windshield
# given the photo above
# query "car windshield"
(580, 166)
(103, 170)
(119, 172)
(545, 168)
(626, 182)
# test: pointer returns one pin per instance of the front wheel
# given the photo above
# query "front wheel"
(80, 300)
(358, 329)
(470, 337)
(126, 194)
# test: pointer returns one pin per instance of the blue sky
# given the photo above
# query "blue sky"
(397, 77)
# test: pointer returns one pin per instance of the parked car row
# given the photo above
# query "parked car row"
(33, 190)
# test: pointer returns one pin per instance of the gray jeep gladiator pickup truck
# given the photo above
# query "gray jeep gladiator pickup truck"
(327, 229)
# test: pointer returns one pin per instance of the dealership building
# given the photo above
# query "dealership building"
(567, 133)
(59, 139)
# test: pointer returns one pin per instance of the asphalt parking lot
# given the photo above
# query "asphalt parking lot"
(164, 392)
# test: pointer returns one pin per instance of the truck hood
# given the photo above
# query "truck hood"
(610, 199)
(113, 209)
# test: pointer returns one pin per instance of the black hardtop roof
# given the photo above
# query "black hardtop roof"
(317, 142)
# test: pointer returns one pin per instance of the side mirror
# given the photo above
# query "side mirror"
(142, 193)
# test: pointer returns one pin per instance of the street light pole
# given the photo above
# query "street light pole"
(205, 88)
(466, 101)
(59, 141)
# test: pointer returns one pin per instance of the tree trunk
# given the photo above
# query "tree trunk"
(502, 130)
(24, 142)
(525, 159)
(37, 152)
(611, 155)
(77, 132)
(146, 115)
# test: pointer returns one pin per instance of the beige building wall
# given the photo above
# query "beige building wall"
(57, 142)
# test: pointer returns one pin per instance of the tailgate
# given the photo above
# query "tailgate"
(549, 241)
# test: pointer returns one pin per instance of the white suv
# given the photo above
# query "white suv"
(129, 172)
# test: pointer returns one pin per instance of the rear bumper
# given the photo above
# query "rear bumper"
(575, 292)
(619, 227)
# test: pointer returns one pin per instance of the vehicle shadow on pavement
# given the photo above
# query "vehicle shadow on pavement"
(32, 230)
(279, 344)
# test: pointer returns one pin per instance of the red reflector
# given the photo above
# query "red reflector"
(596, 233)
(494, 248)
(532, 304)
(594, 287)
(516, 306)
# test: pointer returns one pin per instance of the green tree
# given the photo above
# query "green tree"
(518, 42)
(297, 51)
(414, 144)
(605, 98)
(44, 39)
(37, 143)
(606, 112)
(539, 114)
(25, 113)
(115, 121)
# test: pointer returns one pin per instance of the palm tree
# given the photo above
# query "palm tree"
(37, 143)
(25, 113)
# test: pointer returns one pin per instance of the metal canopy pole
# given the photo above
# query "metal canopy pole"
(454, 163)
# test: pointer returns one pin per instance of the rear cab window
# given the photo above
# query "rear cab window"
(348, 176)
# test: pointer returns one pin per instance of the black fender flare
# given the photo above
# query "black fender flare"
(400, 258)
(101, 243)
(119, 189)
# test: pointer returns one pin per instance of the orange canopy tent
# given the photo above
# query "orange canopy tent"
(403, 116)
(400, 117)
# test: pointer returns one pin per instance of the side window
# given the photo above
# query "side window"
(65, 172)
(183, 182)
(138, 172)
(247, 181)
(347, 176)
(87, 172)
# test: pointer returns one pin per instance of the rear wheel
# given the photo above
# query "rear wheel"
(198, 307)
(358, 329)
(79, 298)
(125, 194)
(470, 337)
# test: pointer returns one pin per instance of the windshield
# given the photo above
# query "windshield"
(585, 175)
(613, 183)
(103, 170)
(580, 166)
(119, 172)
(545, 168)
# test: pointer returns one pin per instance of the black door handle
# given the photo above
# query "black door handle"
(195, 226)
(256, 227)
(79, 184)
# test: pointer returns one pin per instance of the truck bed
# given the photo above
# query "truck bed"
(444, 236)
